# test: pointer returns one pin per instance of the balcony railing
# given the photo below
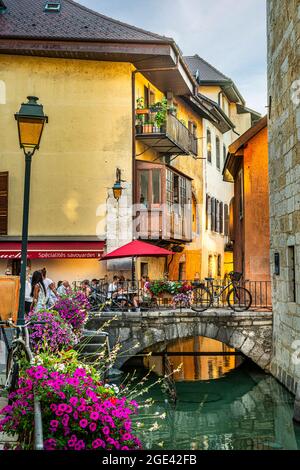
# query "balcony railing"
(173, 137)
(132, 293)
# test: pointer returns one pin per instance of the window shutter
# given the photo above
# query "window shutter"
(217, 223)
(213, 215)
(226, 218)
(208, 210)
(221, 214)
(3, 202)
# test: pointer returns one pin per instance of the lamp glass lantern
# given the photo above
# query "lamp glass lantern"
(31, 120)
(117, 187)
(117, 190)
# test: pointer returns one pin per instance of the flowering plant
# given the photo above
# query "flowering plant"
(73, 309)
(78, 412)
(49, 332)
(171, 287)
(182, 299)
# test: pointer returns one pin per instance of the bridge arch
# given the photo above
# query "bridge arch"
(238, 338)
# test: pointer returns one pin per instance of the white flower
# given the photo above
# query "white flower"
(154, 427)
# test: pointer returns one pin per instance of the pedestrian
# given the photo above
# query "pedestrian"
(85, 287)
(63, 288)
(51, 292)
(28, 297)
(38, 291)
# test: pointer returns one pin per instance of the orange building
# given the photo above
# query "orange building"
(246, 167)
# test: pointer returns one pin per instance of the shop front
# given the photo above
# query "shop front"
(72, 261)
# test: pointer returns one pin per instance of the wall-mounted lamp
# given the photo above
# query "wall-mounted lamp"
(117, 187)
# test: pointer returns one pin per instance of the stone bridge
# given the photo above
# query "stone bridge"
(249, 332)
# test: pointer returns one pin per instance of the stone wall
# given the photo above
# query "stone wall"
(284, 174)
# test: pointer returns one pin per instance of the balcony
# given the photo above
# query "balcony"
(171, 138)
(159, 224)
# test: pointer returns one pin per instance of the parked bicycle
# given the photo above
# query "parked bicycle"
(18, 351)
(238, 298)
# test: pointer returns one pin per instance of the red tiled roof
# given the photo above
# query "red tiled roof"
(28, 19)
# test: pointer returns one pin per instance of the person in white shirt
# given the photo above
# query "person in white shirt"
(50, 289)
(64, 288)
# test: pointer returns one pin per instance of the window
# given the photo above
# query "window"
(149, 190)
(144, 269)
(156, 186)
(219, 267)
(3, 202)
(221, 218)
(146, 97)
(291, 274)
(170, 190)
(213, 215)
(224, 154)
(208, 211)
(208, 145)
(226, 220)
(218, 158)
(181, 272)
(52, 6)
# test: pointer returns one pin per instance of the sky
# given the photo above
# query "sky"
(229, 34)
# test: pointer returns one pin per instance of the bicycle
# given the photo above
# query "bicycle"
(17, 352)
(239, 299)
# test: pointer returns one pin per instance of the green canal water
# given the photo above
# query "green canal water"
(244, 409)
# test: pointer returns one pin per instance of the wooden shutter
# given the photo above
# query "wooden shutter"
(213, 214)
(226, 219)
(208, 211)
(3, 202)
(221, 223)
(217, 222)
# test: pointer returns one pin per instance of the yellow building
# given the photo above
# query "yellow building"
(86, 70)
(232, 118)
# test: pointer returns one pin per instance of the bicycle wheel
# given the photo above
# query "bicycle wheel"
(201, 299)
(12, 373)
(239, 299)
(12, 366)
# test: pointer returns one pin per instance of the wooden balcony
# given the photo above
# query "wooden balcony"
(158, 224)
(173, 138)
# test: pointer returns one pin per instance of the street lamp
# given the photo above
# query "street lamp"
(117, 187)
(30, 120)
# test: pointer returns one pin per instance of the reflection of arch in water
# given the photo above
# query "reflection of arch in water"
(2, 92)
(253, 413)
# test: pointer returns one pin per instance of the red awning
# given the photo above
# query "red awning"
(137, 248)
(53, 250)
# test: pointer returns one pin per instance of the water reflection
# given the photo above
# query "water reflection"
(196, 367)
(246, 409)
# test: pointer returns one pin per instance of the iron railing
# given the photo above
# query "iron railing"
(130, 295)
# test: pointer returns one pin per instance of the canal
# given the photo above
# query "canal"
(223, 402)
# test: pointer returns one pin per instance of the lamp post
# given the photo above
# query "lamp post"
(30, 120)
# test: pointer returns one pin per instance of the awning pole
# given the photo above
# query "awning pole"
(133, 269)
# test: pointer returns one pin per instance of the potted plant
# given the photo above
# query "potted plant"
(140, 106)
(139, 124)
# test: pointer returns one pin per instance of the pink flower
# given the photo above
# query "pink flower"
(94, 416)
(106, 430)
(98, 443)
(93, 427)
(83, 423)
